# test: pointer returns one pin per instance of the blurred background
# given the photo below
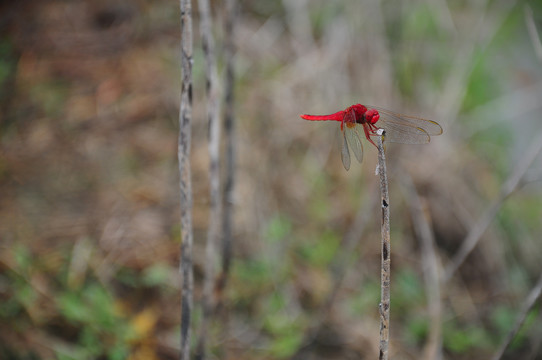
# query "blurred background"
(89, 200)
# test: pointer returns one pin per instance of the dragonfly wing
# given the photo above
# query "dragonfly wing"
(398, 133)
(345, 154)
(353, 138)
(406, 129)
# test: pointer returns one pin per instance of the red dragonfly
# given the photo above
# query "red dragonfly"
(359, 119)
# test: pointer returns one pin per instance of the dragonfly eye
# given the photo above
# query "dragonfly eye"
(372, 116)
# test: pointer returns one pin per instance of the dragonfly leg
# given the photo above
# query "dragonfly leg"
(368, 132)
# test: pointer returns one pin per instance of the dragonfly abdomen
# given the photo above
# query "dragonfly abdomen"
(338, 116)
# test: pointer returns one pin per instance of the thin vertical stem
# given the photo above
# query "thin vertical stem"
(229, 128)
(214, 173)
(384, 305)
(185, 185)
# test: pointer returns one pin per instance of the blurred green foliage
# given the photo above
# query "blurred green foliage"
(278, 228)
(103, 331)
(408, 291)
(322, 251)
(365, 301)
(286, 330)
(464, 339)
(91, 317)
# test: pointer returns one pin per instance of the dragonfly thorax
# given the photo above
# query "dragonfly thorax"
(357, 114)
(364, 115)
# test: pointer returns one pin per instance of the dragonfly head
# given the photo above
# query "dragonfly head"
(372, 116)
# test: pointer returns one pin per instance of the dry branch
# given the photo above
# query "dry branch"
(214, 173)
(185, 185)
(384, 305)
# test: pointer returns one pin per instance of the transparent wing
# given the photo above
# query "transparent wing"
(353, 137)
(398, 133)
(406, 129)
(352, 134)
(345, 154)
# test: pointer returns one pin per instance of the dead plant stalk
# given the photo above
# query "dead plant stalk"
(214, 174)
(185, 184)
(384, 305)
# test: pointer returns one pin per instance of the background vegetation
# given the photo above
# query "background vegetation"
(89, 229)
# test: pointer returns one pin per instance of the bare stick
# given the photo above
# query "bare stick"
(185, 185)
(229, 127)
(433, 348)
(384, 305)
(527, 306)
(214, 174)
(509, 186)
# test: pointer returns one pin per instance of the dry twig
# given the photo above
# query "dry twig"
(384, 305)
(214, 173)
(185, 185)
